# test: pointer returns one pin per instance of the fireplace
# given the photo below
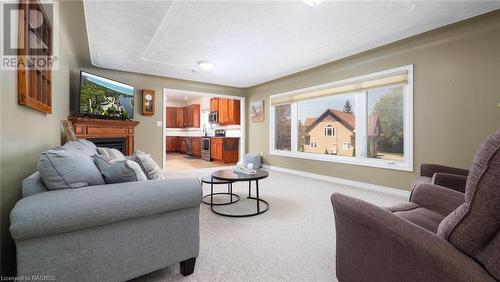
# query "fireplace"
(116, 143)
(117, 134)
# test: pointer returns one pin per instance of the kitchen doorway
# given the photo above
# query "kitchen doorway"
(201, 130)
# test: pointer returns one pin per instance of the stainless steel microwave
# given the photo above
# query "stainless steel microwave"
(213, 117)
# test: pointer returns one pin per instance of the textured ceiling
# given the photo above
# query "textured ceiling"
(252, 42)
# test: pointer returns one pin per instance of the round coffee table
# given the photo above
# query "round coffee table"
(212, 181)
(232, 176)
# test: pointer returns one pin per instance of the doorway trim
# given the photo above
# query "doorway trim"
(242, 150)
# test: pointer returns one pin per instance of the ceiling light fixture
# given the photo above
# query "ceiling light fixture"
(206, 65)
(185, 98)
(312, 2)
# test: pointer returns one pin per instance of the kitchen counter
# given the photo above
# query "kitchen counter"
(222, 148)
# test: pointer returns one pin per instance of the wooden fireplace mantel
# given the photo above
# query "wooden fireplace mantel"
(105, 128)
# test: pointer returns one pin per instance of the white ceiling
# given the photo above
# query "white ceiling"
(252, 42)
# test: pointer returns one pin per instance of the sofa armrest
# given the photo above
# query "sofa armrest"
(429, 170)
(375, 245)
(453, 181)
(437, 198)
(67, 210)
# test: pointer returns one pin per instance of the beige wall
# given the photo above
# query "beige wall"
(456, 90)
(148, 137)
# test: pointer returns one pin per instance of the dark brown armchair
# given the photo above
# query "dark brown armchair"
(439, 235)
(450, 177)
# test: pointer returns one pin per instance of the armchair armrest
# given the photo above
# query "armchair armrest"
(429, 170)
(453, 181)
(437, 198)
(68, 210)
(375, 245)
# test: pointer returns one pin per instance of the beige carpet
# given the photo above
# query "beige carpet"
(293, 241)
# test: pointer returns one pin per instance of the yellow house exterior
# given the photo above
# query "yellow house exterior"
(332, 133)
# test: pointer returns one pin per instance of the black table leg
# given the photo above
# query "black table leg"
(212, 194)
(258, 200)
(249, 189)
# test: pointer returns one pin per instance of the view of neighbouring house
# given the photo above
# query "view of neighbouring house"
(333, 133)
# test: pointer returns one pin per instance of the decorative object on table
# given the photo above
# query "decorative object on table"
(35, 81)
(148, 102)
(241, 168)
(67, 133)
(231, 176)
(254, 159)
(257, 111)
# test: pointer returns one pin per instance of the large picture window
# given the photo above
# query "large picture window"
(365, 120)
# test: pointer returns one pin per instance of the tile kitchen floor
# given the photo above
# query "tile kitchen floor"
(177, 161)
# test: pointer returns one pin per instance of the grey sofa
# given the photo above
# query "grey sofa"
(111, 232)
(440, 235)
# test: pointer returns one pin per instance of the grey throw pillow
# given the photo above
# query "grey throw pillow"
(111, 153)
(82, 146)
(149, 166)
(62, 168)
(115, 171)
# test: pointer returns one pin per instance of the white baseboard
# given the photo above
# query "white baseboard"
(357, 184)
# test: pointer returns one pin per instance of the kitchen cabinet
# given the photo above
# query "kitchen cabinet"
(196, 146)
(224, 149)
(170, 122)
(179, 117)
(182, 117)
(192, 115)
(171, 144)
(182, 145)
(214, 104)
(216, 148)
(228, 110)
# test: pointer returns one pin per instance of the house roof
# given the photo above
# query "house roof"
(347, 119)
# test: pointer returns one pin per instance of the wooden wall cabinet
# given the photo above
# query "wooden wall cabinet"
(188, 116)
(35, 80)
(228, 110)
(179, 117)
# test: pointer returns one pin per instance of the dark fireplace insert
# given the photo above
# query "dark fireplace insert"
(116, 143)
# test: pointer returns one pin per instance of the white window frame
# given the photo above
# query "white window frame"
(361, 129)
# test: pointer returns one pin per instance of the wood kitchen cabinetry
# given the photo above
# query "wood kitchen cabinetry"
(228, 110)
(196, 146)
(171, 144)
(224, 149)
(182, 117)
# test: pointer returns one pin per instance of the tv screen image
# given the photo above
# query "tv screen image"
(102, 97)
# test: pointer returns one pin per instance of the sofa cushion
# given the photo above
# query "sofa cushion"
(474, 227)
(418, 215)
(149, 166)
(81, 145)
(118, 171)
(62, 168)
(111, 153)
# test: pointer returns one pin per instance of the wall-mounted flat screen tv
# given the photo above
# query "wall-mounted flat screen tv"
(105, 98)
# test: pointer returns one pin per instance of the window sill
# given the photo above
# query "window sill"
(403, 166)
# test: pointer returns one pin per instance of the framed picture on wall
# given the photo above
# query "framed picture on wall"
(257, 111)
